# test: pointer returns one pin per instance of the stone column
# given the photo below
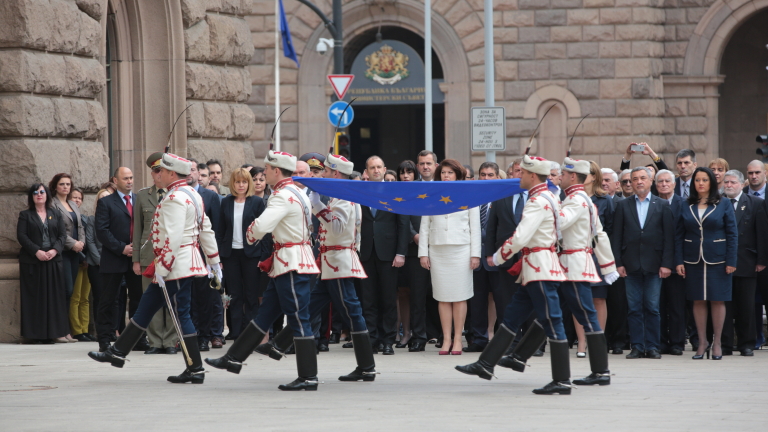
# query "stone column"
(218, 47)
(50, 118)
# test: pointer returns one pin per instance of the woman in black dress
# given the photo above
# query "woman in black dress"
(41, 233)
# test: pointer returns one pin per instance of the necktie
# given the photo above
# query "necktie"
(757, 194)
(519, 207)
(373, 212)
(733, 201)
(160, 195)
(685, 190)
(129, 206)
(483, 215)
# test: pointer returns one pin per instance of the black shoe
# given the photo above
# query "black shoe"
(110, 355)
(171, 350)
(348, 345)
(562, 388)
(227, 363)
(141, 345)
(269, 350)
(511, 362)
(538, 353)
(81, 338)
(203, 346)
(240, 350)
(322, 347)
(635, 354)
(229, 337)
(595, 378)
(473, 347)
(379, 346)
(387, 350)
(194, 373)
(653, 354)
(188, 376)
(90, 337)
(360, 374)
(402, 345)
(309, 384)
(479, 368)
(334, 339)
(153, 350)
(417, 346)
(103, 346)
(747, 352)
(617, 351)
(675, 352)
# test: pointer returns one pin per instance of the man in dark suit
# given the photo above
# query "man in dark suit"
(485, 277)
(207, 309)
(383, 245)
(643, 246)
(672, 302)
(616, 302)
(752, 222)
(114, 229)
(686, 165)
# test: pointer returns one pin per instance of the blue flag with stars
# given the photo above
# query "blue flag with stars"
(288, 49)
(417, 198)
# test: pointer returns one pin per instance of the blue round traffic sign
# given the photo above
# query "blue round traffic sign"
(335, 112)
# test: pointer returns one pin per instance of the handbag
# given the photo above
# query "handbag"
(516, 268)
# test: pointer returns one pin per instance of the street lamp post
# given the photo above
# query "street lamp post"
(335, 28)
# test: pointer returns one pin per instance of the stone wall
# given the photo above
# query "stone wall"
(218, 46)
(50, 118)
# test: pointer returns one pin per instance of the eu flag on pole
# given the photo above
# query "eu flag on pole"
(285, 32)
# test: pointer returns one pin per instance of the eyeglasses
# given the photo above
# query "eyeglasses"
(626, 181)
(155, 170)
(38, 192)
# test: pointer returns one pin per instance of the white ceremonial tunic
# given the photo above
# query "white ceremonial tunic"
(450, 241)
(337, 235)
(535, 236)
(579, 225)
(287, 217)
(177, 234)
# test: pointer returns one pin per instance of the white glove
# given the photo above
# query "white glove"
(494, 258)
(217, 269)
(314, 199)
(210, 273)
(611, 277)
(159, 280)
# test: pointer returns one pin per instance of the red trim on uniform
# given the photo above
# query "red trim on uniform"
(282, 183)
(537, 189)
(608, 265)
(574, 188)
(214, 255)
(323, 213)
(177, 183)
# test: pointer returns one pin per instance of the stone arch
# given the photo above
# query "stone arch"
(711, 35)
(149, 76)
(553, 132)
(551, 92)
(357, 18)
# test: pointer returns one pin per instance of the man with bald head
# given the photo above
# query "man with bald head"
(302, 170)
(114, 229)
(756, 177)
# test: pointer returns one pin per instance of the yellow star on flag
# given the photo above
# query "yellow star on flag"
(422, 196)
(389, 209)
(399, 199)
(382, 202)
(463, 208)
(445, 199)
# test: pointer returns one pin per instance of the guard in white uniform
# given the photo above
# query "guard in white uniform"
(291, 265)
(179, 229)
(339, 235)
(540, 273)
(582, 236)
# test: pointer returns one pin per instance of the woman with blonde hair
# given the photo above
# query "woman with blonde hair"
(240, 259)
(719, 167)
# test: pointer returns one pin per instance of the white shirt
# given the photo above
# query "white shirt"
(122, 197)
(761, 192)
(237, 226)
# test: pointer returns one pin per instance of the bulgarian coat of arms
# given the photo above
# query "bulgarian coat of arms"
(386, 66)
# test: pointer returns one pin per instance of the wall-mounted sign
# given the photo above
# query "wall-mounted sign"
(489, 129)
(390, 73)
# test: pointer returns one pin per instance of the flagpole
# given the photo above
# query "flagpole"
(277, 74)
(428, 75)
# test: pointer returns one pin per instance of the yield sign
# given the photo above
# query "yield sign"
(340, 84)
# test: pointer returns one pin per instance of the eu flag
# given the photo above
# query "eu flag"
(288, 49)
(417, 198)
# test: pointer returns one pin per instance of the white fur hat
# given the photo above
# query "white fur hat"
(536, 165)
(339, 163)
(282, 160)
(576, 166)
(175, 163)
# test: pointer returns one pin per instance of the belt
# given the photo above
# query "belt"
(528, 251)
(324, 248)
(588, 250)
(279, 246)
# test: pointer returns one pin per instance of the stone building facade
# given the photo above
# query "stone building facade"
(90, 85)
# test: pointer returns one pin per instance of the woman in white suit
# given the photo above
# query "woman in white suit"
(449, 247)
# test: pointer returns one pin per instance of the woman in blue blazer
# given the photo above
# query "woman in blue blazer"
(706, 253)
(241, 260)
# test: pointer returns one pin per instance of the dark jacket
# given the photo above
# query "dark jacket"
(29, 233)
(501, 226)
(92, 243)
(253, 208)
(643, 249)
(212, 204)
(713, 239)
(752, 223)
(113, 229)
(388, 233)
(605, 211)
(414, 223)
(69, 222)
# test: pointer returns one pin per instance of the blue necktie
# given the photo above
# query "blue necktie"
(757, 194)
(373, 212)
(519, 207)
(483, 215)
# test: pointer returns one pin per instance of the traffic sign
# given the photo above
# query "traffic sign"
(340, 84)
(489, 129)
(335, 111)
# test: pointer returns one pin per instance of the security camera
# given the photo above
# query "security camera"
(323, 45)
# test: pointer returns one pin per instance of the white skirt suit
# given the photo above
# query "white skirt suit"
(450, 241)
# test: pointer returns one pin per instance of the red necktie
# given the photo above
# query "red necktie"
(129, 206)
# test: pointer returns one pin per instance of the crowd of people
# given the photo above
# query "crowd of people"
(690, 248)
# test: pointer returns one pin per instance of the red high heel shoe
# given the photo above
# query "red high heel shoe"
(446, 352)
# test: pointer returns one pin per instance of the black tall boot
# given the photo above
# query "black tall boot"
(495, 349)
(529, 344)
(366, 366)
(561, 370)
(193, 373)
(277, 347)
(306, 363)
(598, 361)
(240, 350)
(116, 353)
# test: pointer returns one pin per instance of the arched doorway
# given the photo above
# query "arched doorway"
(744, 93)
(393, 131)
